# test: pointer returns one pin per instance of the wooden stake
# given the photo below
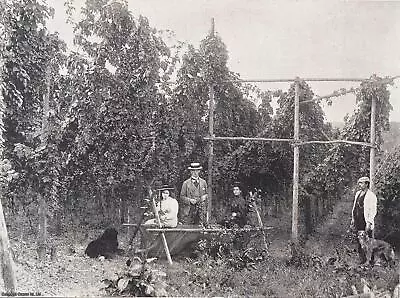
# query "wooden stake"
(129, 220)
(164, 240)
(372, 149)
(42, 228)
(295, 204)
(7, 263)
(260, 223)
(42, 210)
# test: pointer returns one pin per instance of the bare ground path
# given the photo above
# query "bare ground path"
(72, 273)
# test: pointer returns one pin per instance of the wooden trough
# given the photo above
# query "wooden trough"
(180, 239)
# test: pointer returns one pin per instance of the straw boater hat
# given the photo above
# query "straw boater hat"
(165, 187)
(363, 179)
(236, 184)
(195, 166)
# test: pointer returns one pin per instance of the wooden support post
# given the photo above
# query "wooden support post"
(6, 260)
(372, 150)
(164, 240)
(7, 263)
(295, 204)
(129, 219)
(210, 153)
(211, 143)
(42, 210)
(253, 198)
(42, 228)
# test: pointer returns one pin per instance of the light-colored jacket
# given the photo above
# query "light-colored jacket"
(191, 191)
(370, 203)
(168, 212)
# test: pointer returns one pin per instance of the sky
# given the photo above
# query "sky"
(285, 39)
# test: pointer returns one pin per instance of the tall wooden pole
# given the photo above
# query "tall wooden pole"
(211, 142)
(372, 149)
(6, 260)
(7, 263)
(164, 240)
(42, 210)
(295, 204)
(210, 153)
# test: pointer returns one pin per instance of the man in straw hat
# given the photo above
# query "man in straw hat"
(167, 208)
(364, 210)
(193, 197)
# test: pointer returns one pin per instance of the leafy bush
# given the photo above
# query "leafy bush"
(233, 248)
(138, 280)
(388, 191)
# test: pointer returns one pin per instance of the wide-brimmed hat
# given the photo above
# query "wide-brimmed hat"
(195, 166)
(363, 179)
(165, 187)
(236, 184)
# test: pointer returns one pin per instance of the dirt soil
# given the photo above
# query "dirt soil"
(330, 270)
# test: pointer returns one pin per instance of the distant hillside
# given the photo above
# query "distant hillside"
(391, 138)
(337, 124)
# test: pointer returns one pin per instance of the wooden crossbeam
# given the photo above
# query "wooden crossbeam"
(332, 95)
(286, 80)
(246, 139)
(337, 141)
(206, 230)
(201, 230)
(300, 143)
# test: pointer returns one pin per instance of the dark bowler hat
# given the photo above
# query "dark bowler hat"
(165, 187)
(195, 166)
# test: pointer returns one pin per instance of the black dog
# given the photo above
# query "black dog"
(106, 245)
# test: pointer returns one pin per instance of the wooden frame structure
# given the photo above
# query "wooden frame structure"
(296, 140)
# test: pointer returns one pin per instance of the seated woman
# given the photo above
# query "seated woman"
(167, 208)
(239, 209)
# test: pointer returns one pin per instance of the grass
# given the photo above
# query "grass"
(72, 273)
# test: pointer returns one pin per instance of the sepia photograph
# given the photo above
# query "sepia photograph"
(200, 148)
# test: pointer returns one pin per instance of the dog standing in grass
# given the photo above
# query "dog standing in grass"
(373, 248)
(364, 212)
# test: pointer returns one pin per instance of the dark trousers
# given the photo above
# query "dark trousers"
(194, 214)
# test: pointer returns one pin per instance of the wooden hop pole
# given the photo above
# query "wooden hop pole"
(7, 263)
(164, 240)
(42, 210)
(372, 149)
(295, 204)
(211, 143)
(6, 260)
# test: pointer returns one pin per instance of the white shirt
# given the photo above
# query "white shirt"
(169, 212)
(370, 202)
